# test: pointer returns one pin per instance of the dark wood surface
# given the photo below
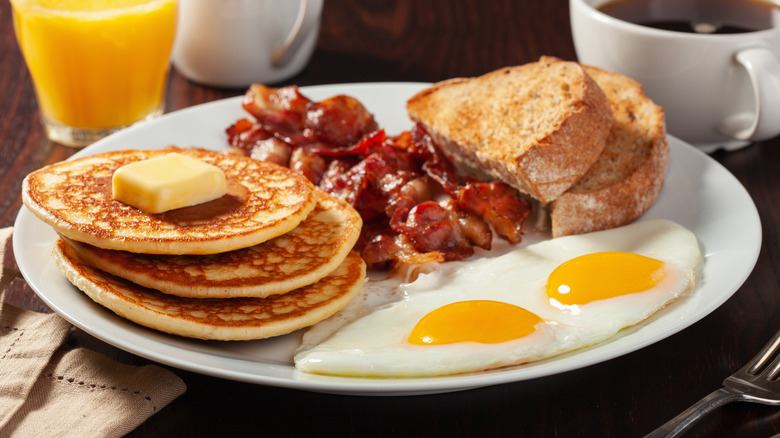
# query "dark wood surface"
(406, 40)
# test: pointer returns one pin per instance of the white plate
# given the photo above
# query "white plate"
(699, 194)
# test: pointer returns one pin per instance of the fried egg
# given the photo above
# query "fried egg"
(528, 304)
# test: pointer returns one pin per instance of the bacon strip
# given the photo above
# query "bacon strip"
(415, 205)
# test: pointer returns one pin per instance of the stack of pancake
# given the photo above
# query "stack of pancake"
(272, 256)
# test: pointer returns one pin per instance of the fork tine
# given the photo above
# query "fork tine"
(774, 371)
(762, 359)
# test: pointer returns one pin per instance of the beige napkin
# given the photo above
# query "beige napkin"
(47, 390)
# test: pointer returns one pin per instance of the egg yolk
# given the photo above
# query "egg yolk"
(483, 321)
(602, 275)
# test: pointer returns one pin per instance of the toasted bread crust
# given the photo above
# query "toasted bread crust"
(538, 127)
(629, 175)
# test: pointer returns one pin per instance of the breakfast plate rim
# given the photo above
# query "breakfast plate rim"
(700, 194)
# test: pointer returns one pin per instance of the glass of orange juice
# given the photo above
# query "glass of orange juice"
(97, 65)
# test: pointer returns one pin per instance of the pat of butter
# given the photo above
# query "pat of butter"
(169, 182)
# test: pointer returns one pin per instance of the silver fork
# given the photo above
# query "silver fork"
(757, 382)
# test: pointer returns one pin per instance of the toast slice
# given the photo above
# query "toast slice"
(627, 178)
(538, 127)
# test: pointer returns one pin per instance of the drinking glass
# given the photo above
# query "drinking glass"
(97, 65)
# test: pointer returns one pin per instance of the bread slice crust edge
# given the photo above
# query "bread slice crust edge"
(464, 116)
(602, 199)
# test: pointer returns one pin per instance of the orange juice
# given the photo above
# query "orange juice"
(96, 64)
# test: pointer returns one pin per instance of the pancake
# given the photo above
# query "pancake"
(220, 318)
(264, 201)
(302, 256)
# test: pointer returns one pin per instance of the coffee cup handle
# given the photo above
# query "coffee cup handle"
(763, 69)
(308, 15)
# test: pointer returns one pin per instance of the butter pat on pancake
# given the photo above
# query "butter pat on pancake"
(169, 182)
(264, 201)
(300, 257)
(216, 319)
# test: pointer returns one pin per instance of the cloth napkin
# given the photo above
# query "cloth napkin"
(47, 389)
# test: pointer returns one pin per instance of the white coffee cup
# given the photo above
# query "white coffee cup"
(717, 90)
(234, 43)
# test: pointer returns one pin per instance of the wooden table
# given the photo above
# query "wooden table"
(406, 40)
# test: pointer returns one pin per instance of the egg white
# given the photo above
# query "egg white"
(369, 338)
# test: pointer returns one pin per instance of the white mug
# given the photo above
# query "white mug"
(234, 43)
(717, 90)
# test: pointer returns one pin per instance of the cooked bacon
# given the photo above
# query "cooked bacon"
(416, 207)
(367, 145)
(499, 205)
(379, 251)
(374, 179)
(239, 129)
(339, 120)
(435, 164)
(407, 253)
(281, 111)
(411, 193)
(476, 230)
(472, 227)
(384, 251)
(272, 150)
(245, 133)
(276, 107)
(253, 140)
(284, 113)
(432, 227)
(312, 166)
(336, 180)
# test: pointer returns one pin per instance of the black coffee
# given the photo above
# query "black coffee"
(697, 16)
